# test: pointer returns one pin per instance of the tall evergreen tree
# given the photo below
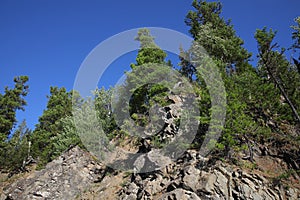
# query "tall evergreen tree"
(59, 106)
(13, 145)
(217, 36)
(277, 69)
(149, 60)
(149, 52)
(11, 101)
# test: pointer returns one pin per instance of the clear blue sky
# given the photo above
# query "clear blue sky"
(48, 40)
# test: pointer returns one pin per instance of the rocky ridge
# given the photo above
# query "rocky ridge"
(77, 175)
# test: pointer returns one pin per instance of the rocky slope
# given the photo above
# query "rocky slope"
(77, 175)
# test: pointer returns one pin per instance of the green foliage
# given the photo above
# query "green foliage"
(59, 106)
(245, 88)
(296, 45)
(89, 128)
(11, 101)
(146, 92)
(217, 36)
(276, 69)
(67, 138)
(258, 99)
(238, 121)
(247, 164)
(149, 52)
(187, 69)
(206, 12)
(104, 110)
(15, 152)
(296, 34)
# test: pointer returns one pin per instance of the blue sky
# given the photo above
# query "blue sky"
(48, 40)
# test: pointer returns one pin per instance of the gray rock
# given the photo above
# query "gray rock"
(132, 188)
(64, 178)
(75, 174)
(221, 184)
(180, 194)
(191, 178)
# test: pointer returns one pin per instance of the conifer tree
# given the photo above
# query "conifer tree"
(217, 36)
(149, 62)
(149, 52)
(280, 72)
(11, 101)
(15, 154)
(59, 106)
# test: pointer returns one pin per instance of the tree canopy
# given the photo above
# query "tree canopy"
(262, 100)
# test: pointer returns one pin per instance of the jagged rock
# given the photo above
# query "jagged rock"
(220, 182)
(64, 178)
(191, 178)
(76, 175)
(180, 194)
(132, 188)
(208, 181)
(155, 186)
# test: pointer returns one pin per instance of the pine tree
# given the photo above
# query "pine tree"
(16, 151)
(150, 65)
(59, 106)
(149, 52)
(68, 137)
(217, 36)
(280, 72)
(11, 101)
(13, 145)
(244, 86)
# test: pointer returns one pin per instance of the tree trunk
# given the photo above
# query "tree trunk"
(267, 64)
(284, 94)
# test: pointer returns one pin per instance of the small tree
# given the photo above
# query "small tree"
(16, 151)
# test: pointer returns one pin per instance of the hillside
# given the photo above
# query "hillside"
(77, 175)
(217, 124)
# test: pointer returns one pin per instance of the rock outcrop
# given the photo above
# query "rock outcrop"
(76, 175)
(64, 178)
(190, 179)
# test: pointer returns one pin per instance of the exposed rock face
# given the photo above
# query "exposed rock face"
(63, 178)
(76, 175)
(164, 139)
(189, 180)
